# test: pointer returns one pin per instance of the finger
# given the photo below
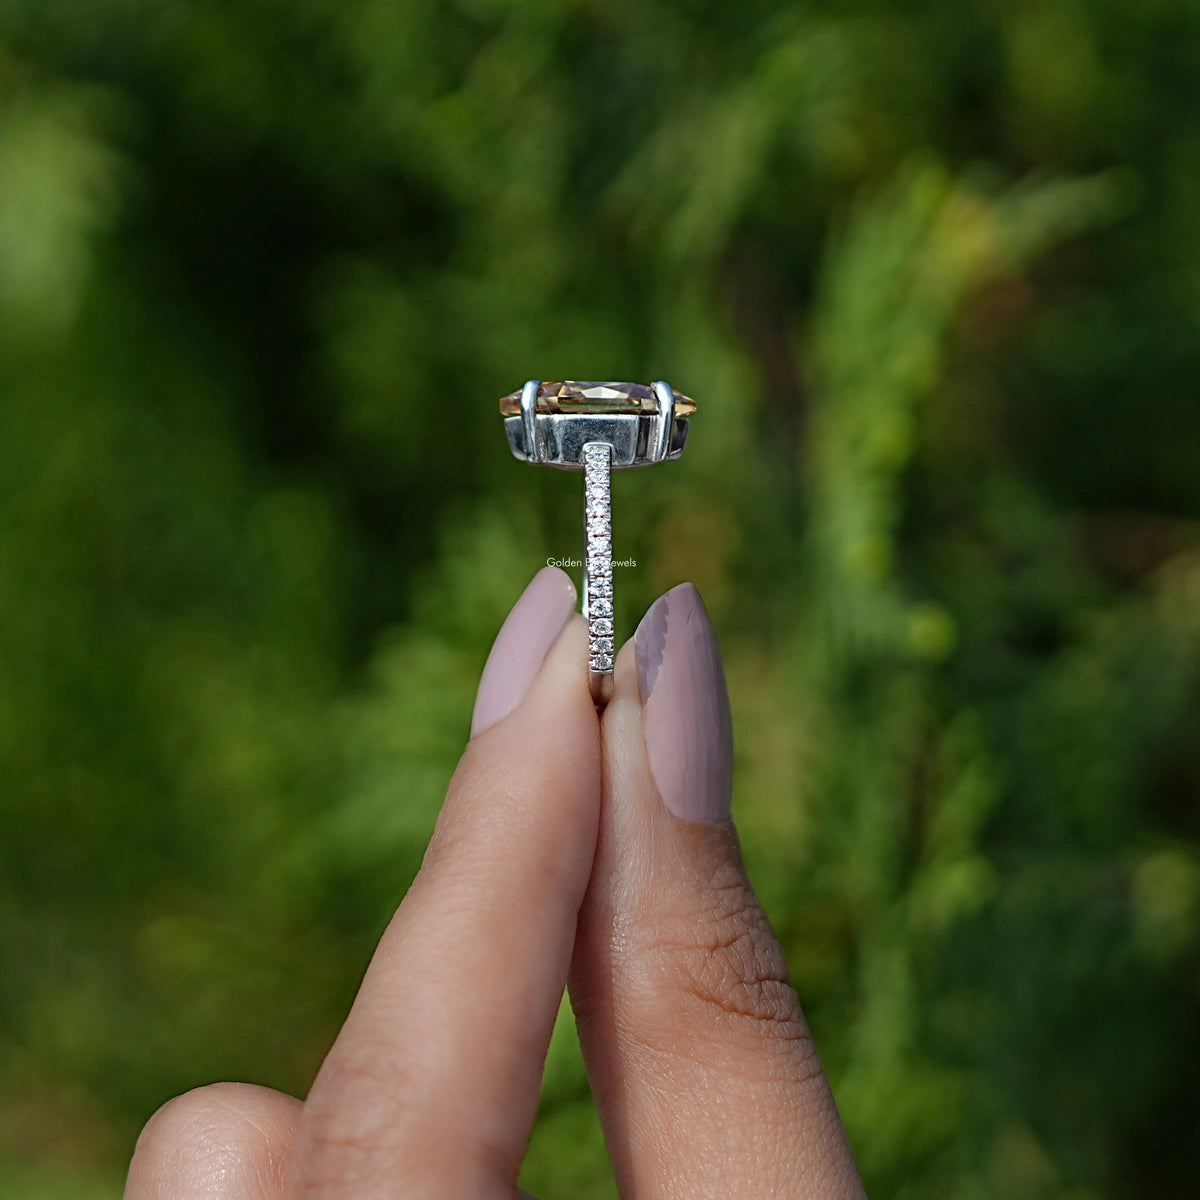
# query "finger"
(432, 1085)
(706, 1078)
(226, 1141)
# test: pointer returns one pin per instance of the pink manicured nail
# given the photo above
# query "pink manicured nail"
(521, 646)
(685, 707)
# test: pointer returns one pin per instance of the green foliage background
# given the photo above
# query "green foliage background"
(932, 268)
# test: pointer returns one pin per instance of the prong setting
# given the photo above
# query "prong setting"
(665, 420)
(529, 395)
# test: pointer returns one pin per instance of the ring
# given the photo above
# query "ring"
(597, 428)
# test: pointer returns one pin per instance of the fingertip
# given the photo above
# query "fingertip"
(533, 777)
(522, 645)
(557, 695)
(671, 670)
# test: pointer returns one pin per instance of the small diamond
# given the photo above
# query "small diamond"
(601, 588)
(601, 662)
(601, 626)
(602, 645)
(599, 608)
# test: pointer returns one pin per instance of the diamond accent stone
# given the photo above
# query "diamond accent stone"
(574, 396)
(598, 607)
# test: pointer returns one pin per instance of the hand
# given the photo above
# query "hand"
(598, 852)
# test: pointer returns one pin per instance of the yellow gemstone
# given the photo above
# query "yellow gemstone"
(604, 398)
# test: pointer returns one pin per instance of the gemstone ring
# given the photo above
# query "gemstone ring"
(597, 428)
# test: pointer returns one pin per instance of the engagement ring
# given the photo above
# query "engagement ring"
(597, 428)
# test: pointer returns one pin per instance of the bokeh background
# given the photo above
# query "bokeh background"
(932, 269)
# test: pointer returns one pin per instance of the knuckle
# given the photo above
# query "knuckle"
(375, 1119)
(358, 1103)
(739, 970)
(349, 1125)
(722, 971)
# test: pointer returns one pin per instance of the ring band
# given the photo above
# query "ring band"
(597, 428)
(597, 568)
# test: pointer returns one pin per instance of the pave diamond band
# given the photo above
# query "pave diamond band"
(597, 566)
(597, 428)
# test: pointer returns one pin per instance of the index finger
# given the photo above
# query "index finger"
(432, 1085)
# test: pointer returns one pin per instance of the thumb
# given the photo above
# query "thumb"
(707, 1081)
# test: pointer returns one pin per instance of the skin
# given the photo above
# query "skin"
(553, 861)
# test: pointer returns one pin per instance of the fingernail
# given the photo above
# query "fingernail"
(521, 646)
(685, 707)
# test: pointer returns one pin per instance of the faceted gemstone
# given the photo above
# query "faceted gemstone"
(604, 398)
